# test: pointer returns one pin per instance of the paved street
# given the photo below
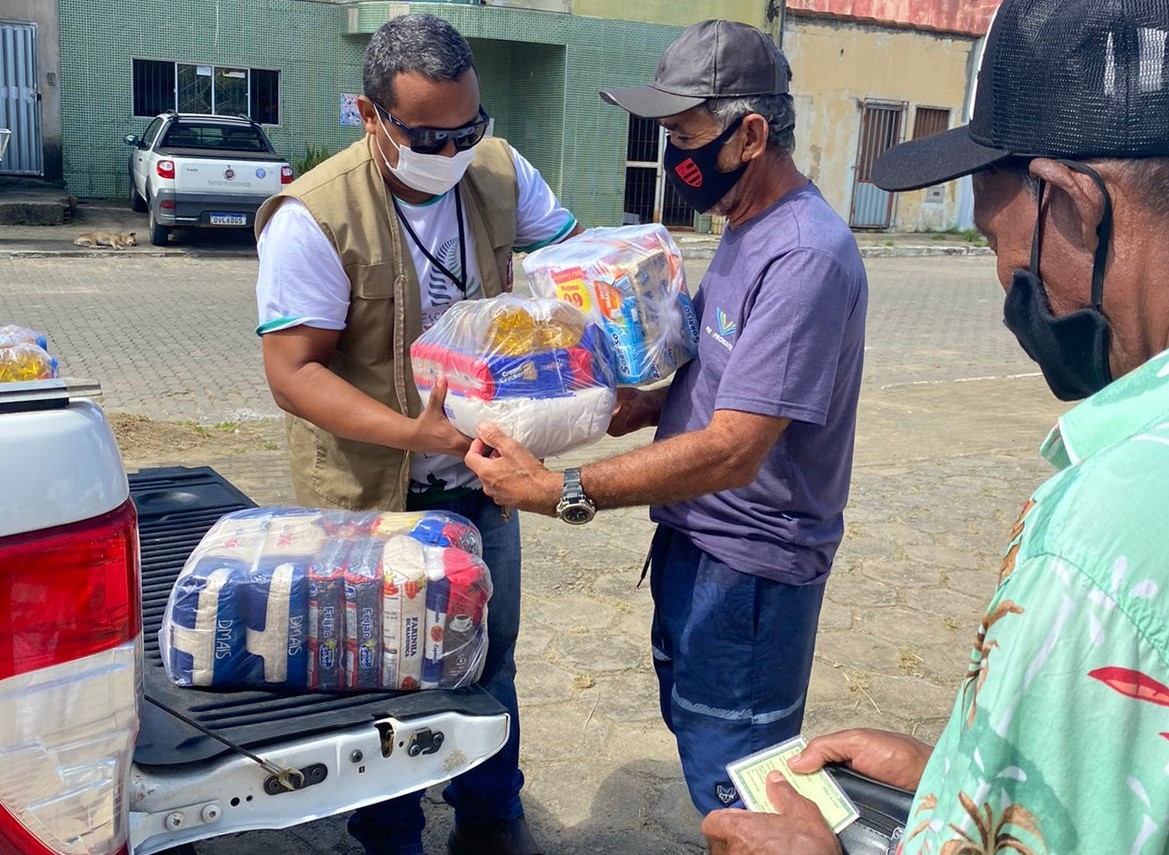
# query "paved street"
(172, 337)
(951, 414)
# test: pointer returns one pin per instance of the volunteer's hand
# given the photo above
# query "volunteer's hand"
(798, 827)
(892, 758)
(510, 474)
(635, 410)
(433, 431)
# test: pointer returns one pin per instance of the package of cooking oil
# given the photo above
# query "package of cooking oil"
(21, 361)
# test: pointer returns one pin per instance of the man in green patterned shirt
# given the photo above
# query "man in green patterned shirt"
(1059, 739)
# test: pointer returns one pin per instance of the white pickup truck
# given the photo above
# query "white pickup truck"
(101, 754)
(202, 171)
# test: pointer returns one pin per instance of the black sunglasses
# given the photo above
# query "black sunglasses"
(434, 140)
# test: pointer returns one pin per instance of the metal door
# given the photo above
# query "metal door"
(872, 207)
(643, 171)
(649, 196)
(20, 107)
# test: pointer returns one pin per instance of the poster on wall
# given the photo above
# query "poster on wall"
(349, 115)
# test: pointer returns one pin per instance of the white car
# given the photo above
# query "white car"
(199, 171)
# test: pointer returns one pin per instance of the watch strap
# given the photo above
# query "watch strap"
(572, 486)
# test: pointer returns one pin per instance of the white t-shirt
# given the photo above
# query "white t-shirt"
(302, 282)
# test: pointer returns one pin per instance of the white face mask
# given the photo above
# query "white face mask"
(426, 173)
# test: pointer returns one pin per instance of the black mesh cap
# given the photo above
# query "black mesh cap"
(713, 59)
(1075, 79)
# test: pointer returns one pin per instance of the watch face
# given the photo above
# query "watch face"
(577, 515)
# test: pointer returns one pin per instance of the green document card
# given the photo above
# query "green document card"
(749, 776)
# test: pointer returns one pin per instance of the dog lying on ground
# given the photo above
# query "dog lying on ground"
(112, 239)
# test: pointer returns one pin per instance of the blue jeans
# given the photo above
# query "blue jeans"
(490, 791)
(733, 655)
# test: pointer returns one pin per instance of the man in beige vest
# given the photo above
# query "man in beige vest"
(357, 258)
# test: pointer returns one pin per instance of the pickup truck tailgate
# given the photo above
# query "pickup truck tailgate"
(176, 506)
(247, 174)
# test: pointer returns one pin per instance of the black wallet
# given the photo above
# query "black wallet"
(884, 814)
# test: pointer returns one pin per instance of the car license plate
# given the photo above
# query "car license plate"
(229, 220)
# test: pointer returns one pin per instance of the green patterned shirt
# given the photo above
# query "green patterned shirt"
(1059, 739)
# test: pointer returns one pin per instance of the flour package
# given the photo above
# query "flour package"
(631, 283)
(330, 600)
(536, 367)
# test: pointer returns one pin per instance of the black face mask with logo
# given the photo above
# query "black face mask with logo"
(695, 174)
(1071, 350)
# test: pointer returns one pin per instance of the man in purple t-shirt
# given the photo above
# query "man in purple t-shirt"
(748, 475)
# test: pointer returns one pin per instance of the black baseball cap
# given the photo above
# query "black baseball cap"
(1074, 79)
(713, 59)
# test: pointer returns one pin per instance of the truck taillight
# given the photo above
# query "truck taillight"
(286, 174)
(165, 169)
(69, 592)
(70, 674)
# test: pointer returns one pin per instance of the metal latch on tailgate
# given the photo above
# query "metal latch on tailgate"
(291, 780)
(425, 741)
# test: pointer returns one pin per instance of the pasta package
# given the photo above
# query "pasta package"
(300, 599)
(536, 367)
(630, 281)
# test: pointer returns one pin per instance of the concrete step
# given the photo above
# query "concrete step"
(34, 203)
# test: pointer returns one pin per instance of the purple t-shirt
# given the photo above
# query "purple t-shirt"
(781, 333)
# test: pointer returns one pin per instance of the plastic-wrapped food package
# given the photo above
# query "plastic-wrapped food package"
(330, 600)
(433, 528)
(630, 281)
(536, 367)
(22, 361)
(24, 355)
(13, 334)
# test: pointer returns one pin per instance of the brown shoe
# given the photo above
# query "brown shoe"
(506, 837)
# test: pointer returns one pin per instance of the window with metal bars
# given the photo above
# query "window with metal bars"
(154, 87)
(265, 96)
(930, 121)
(192, 88)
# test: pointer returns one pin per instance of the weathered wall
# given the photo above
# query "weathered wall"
(43, 13)
(836, 66)
(677, 13)
(969, 17)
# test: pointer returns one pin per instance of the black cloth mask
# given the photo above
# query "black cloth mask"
(1071, 350)
(694, 172)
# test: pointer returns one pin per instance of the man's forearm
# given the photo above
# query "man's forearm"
(316, 394)
(673, 470)
(726, 454)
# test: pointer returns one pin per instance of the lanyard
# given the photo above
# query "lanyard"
(459, 281)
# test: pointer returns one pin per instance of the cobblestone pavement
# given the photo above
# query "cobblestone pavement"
(951, 414)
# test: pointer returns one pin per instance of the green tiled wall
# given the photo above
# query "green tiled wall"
(540, 75)
(99, 42)
(597, 54)
(522, 87)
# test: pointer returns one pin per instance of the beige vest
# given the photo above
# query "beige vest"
(349, 200)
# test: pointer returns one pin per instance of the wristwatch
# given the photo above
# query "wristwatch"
(575, 508)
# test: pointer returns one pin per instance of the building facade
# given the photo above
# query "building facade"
(870, 74)
(867, 73)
